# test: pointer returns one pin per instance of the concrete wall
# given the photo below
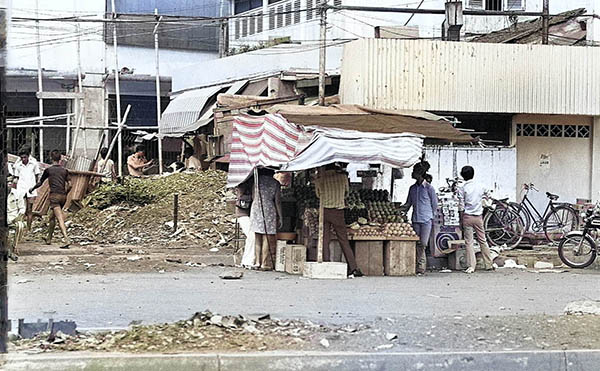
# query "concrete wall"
(558, 165)
(495, 168)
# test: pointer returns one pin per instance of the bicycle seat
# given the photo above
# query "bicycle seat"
(552, 196)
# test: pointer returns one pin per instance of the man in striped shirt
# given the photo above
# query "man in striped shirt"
(331, 187)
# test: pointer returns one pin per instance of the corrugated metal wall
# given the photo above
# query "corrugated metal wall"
(471, 77)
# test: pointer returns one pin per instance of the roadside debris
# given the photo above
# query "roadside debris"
(583, 307)
(231, 275)
(140, 212)
(543, 265)
(204, 331)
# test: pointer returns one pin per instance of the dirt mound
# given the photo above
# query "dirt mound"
(140, 211)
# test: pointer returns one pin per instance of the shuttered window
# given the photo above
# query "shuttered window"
(288, 14)
(515, 4)
(297, 11)
(259, 23)
(309, 12)
(271, 19)
(280, 16)
(237, 29)
(475, 4)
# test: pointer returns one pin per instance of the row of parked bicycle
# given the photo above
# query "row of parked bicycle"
(507, 222)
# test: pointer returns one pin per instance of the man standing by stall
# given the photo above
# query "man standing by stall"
(331, 187)
(27, 171)
(470, 207)
(424, 202)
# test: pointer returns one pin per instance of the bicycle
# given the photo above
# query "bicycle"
(578, 249)
(558, 218)
(502, 224)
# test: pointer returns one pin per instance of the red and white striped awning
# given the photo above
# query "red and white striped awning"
(271, 141)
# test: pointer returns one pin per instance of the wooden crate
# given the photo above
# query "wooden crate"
(369, 257)
(399, 258)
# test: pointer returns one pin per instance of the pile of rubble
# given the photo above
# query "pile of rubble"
(203, 332)
(141, 212)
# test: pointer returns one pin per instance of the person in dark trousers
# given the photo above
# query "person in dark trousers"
(424, 202)
(332, 187)
(58, 181)
(470, 208)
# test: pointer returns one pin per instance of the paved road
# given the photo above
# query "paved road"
(95, 301)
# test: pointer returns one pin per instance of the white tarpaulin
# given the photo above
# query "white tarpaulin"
(354, 147)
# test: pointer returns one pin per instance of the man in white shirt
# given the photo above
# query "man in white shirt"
(470, 197)
(27, 171)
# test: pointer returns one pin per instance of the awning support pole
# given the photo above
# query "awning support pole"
(158, 113)
(323, 41)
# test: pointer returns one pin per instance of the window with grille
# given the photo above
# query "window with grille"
(493, 4)
(296, 11)
(553, 131)
(337, 2)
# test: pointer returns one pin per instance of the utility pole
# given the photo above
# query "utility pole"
(80, 106)
(3, 196)
(322, 52)
(158, 111)
(545, 21)
(118, 92)
(40, 87)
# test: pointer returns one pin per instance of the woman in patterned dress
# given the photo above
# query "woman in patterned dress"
(265, 217)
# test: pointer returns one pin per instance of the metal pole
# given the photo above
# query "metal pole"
(545, 21)
(322, 56)
(68, 134)
(158, 105)
(3, 197)
(175, 211)
(40, 87)
(81, 105)
(117, 91)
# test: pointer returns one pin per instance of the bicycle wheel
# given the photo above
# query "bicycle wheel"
(562, 220)
(525, 218)
(503, 226)
(577, 251)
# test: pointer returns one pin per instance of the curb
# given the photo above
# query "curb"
(570, 360)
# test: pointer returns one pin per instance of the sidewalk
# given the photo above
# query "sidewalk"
(575, 360)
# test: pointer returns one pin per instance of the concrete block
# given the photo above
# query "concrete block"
(326, 270)
(280, 256)
(543, 265)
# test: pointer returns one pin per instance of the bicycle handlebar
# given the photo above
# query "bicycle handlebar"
(530, 186)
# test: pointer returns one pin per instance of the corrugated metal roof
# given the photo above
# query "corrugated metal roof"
(471, 77)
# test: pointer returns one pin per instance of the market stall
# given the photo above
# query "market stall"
(383, 241)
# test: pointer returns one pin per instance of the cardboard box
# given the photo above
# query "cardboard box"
(399, 258)
(280, 256)
(295, 257)
(369, 257)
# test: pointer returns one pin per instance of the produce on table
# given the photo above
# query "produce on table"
(382, 231)
(399, 229)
